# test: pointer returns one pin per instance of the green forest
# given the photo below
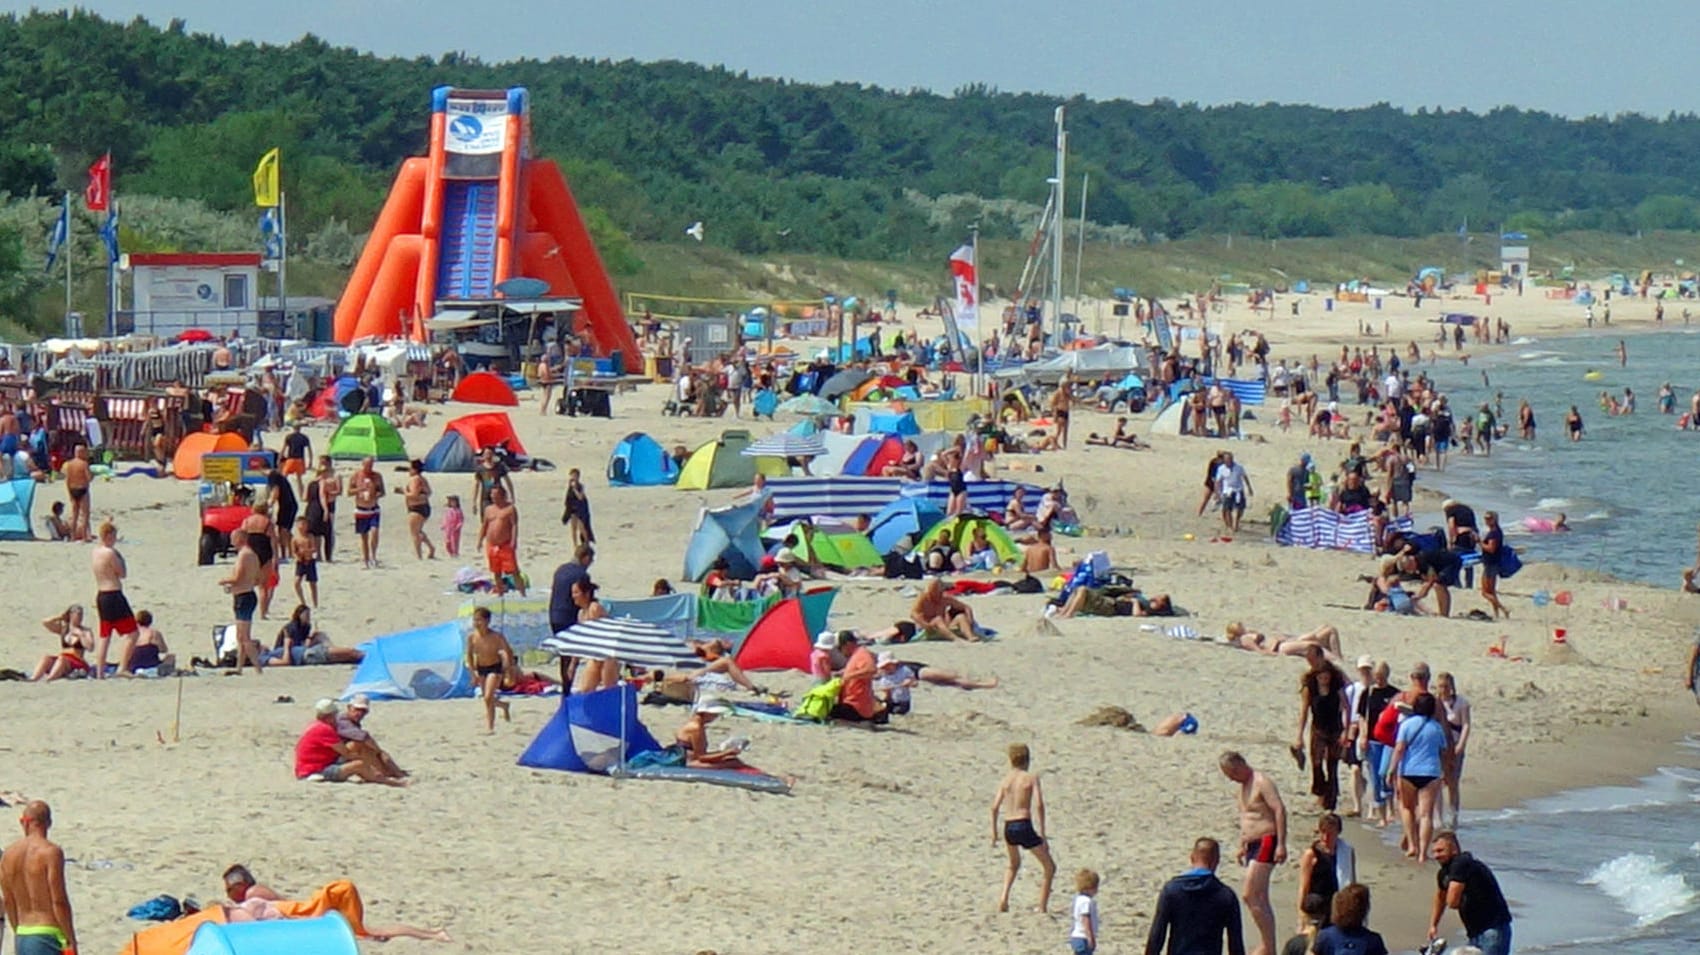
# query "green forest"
(779, 168)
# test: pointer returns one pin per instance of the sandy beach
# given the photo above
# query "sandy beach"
(884, 843)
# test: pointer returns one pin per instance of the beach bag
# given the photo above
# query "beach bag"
(817, 704)
(1509, 562)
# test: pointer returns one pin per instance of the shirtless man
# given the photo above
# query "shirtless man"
(1025, 826)
(1040, 556)
(1263, 835)
(498, 534)
(488, 656)
(937, 613)
(109, 603)
(32, 883)
(11, 442)
(77, 481)
(241, 585)
(367, 487)
(1326, 638)
(1061, 400)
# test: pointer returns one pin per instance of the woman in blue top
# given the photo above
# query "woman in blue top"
(1348, 935)
(1420, 754)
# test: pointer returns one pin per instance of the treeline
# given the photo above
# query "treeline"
(772, 166)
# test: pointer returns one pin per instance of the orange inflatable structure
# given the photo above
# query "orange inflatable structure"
(174, 938)
(476, 211)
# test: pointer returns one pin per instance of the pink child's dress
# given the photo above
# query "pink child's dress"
(453, 518)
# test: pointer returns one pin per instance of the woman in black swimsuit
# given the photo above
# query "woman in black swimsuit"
(418, 498)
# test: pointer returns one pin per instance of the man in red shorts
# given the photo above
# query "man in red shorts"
(499, 536)
(110, 604)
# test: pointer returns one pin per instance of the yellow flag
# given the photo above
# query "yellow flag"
(266, 189)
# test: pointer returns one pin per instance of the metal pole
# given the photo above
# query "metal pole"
(979, 369)
(282, 260)
(1080, 245)
(111, 274)
(1057, 245)
(70, 253)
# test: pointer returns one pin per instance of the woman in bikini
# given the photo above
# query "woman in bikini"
(74, 640)
(417, 495)
(1325, 637)
(593, 674)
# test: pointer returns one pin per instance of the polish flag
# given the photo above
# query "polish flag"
(963, 273)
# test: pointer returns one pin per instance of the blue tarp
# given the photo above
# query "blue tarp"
(886, 422)
(676, 612)
(422, 664)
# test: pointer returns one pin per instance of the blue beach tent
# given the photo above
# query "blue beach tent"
(905, 517)
(640, 460)
(730, 532)
(423, 664)
(17, 496)
(591, 733)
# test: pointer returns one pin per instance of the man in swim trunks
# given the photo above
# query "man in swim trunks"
(297, 449)
(109, 603)
(1233, 489)
(78, 477)
(1025, 827)
(32, 884)
(942, 615)
(367, 487)
(241, 585)
(488, 656)
(1263, 833)
(11, 439)
(498, 534)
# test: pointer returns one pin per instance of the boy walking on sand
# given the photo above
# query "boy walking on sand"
(1025, 827)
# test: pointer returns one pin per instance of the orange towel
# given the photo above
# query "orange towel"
(173, 938)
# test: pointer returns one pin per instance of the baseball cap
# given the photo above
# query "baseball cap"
(360, 701)
(1366, 662)
(325, 707)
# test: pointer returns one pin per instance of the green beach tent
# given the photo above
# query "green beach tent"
(959, 530)
(367, 436)
(846, 549)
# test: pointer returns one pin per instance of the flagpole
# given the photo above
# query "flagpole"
(979, 346)
(283, 260)
(69, 250)
(111, 272)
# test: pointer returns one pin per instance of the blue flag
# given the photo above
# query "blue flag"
(109, 234)
(56, 238)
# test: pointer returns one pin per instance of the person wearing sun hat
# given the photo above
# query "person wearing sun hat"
(321, 755)
(824, 659)
(692, 737)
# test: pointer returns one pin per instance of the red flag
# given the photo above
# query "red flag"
(966, 279)
(99, 192)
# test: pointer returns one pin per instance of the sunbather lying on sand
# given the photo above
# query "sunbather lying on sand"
(1281, 645)
(1096, 602)
(247, 901)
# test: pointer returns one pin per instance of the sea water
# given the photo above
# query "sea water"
(1609, 869)
(1629, 488)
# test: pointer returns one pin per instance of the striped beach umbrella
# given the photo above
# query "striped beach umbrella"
(786, 444)
(625, 639)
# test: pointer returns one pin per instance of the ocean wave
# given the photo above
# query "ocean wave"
(1644, 887)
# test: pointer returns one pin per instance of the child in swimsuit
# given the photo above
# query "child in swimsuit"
(453, 521)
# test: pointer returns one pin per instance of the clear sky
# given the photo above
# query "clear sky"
(1573, 57)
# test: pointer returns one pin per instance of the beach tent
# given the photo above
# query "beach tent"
(835, 548)
(456, 452)
(959, 530)
(333, 400)
(485, 388)
(784, 636)
(186, 463)
(1168, 421)
(905, 517)
(873, 455)
(423, 664)
(366, 436)
(640, 460)
(16, 497)
(731, 532)
(721, 463)
(325, 935)
(890, 422)
(591, 733)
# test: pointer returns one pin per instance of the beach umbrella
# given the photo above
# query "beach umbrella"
(844, 382)
(625, 639)
(808, 405)
(196, 336)
(805, 426)
(786, 444)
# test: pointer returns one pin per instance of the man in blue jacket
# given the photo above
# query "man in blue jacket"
(1195, 909)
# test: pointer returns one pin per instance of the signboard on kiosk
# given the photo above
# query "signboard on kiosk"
(237, 467)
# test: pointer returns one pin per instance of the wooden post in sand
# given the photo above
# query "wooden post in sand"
(177, 718)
